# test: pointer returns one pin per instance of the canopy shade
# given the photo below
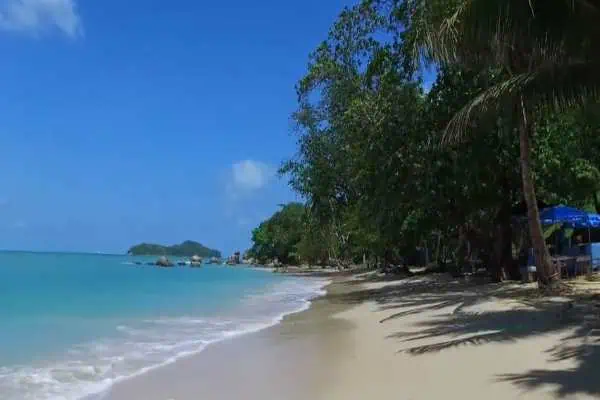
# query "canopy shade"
(573, 217)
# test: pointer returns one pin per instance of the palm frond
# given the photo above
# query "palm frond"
(565, 86)
(498, 31)
(558, 87)
(486, 102)
(592, 6)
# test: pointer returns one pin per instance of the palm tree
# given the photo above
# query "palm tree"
(549, 51)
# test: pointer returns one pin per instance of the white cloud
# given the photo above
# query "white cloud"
(33, 16)
(244, 184)
(251, 175)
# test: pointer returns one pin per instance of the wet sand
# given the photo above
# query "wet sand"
(292, 360)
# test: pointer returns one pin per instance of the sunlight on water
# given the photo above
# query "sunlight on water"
(74, 324)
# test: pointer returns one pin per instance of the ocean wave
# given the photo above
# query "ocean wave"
(140, 346)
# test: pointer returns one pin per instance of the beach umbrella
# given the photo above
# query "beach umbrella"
(570, 216)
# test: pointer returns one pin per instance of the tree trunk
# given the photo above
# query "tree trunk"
(506, 267)
(438, 248)
(596, 202)
(547, 276)
(461, 252)
(497, 250)
(504, 262)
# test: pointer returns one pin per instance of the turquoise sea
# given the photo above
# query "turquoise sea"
(73, 324)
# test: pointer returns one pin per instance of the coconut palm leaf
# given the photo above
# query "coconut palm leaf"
(558, 87)
(500, 31)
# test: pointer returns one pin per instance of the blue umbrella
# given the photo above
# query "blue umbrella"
(570, 216)
(594, 220)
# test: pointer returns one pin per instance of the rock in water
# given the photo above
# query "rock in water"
(164, 262)
(196, 259)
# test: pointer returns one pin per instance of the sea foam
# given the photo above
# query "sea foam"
(88, 370)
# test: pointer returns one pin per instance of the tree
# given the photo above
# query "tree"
(323, 170)
(376, 183)
(472, 185)
(278, 237)
(548, 52)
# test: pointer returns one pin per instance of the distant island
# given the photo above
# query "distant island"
(185, 249)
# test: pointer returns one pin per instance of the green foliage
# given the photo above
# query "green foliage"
(278, 237)
(566, 156)
(377, 182)
(185, 249)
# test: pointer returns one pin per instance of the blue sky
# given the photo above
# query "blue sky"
(129, 121)
(156, 121)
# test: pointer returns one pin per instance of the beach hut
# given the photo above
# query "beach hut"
(576, 219)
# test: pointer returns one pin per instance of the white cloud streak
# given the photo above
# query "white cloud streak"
(251, 175)
(35, 16)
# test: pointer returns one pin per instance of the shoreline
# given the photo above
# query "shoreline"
(104, 393)
(389, 338)
(112, 392)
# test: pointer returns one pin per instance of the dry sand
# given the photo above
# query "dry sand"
(419, 338)
(431, 338)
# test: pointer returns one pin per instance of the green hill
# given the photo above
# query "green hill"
(185, 249)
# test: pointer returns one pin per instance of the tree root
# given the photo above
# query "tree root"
(555, 288)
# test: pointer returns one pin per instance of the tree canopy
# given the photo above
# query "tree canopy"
(389, 166)
(278, 237)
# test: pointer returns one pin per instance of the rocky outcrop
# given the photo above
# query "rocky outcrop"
(234, 259)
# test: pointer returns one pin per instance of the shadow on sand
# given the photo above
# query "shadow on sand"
(458, 326)
(584, 348)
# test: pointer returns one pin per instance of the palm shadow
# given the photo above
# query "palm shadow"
(453, 325)
(583, 348)
(462, 329)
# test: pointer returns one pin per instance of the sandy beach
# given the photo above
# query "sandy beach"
(292, 360)
(423, 337)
